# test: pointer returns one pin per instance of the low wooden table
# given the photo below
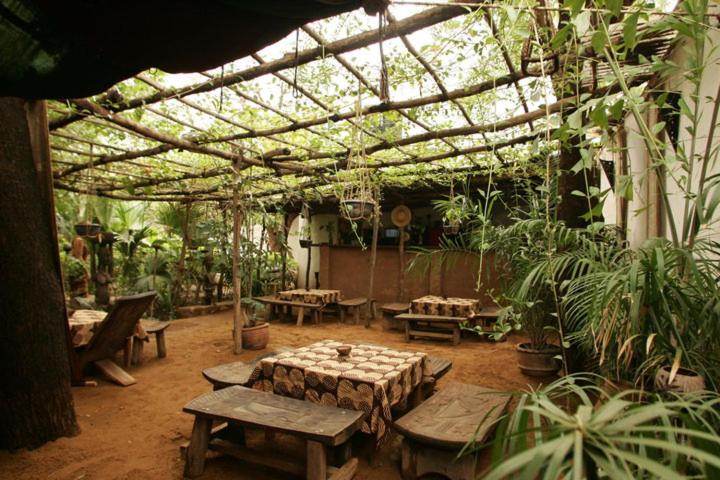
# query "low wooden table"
(431, 326)
(440, 427)
(321, 426)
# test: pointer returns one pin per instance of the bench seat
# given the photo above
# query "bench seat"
(235, 373)
(321, 426)
(272, 301)
(440, 427)
(431, 326)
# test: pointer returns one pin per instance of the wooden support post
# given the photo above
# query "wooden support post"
(373, 258)
(284, 246)
(238, 316)
(401, 256)
(160, 342)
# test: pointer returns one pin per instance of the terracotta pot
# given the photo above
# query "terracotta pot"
(685, 380)
(257, 337)
(538, 362)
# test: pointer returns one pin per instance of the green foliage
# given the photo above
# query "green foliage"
(575, 429)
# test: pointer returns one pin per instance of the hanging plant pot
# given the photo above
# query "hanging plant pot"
(538, 362)
(87, 229)
(685, 381)
(357, 209)
(305, 243)
(257, 337)
(451, 228)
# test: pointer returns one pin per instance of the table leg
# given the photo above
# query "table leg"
(195, 454)
(456, 334)
(407, 330)
(316, 461)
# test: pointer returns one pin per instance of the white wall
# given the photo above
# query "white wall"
(320, 233)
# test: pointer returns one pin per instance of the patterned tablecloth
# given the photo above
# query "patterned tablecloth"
(449, 306)
(83, 324)
(371, 379)
(313, 295)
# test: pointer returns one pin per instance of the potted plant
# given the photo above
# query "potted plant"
(453, 213)
(76, 274)
(537, 357)
(255, 333)
(357, 208)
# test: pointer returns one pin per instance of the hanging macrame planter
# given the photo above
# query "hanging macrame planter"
(88, 229)
(546, 62)
(357, 200)
(452, 219)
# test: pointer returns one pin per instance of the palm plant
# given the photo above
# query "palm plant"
(574, 429)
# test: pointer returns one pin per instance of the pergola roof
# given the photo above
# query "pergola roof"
(290, 116)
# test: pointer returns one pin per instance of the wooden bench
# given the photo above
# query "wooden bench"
(439, 366)
(271, 302)
(319, 425)
(431, 326)
(389, 310)
(235, 373)
(156, 327)
(351, 305)
(439, 428)
(487, 316)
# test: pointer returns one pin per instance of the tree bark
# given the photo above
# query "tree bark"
(373, 258)
(238, 315)
(35, 400)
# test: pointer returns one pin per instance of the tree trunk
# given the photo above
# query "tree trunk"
(35, 400)
(373, 258)
(238, 315)
(571, 208)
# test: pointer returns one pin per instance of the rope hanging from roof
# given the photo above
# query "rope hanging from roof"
(543, 30)
(358, 197)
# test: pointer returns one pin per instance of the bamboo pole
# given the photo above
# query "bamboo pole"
(373, 259)
(401, 255)
(238, 316)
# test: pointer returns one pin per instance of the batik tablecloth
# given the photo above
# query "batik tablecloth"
(371, 379)
(313, 295)
(448, 306)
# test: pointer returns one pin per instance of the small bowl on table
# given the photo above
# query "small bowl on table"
(344, 350)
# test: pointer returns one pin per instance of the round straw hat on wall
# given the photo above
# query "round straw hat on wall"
(401, 216)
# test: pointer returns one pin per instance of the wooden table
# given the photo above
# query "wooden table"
(446, 306)
(83, 324)
(313, 295)
(372, 379)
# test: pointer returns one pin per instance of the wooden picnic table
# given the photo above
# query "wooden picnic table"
(372, 379)
(446, 306)
(313, 295)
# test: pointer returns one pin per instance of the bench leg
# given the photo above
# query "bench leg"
(300, 316)
(268, 311)
(137, 350)
(316, 461)
(408, 463)
(160, 342)
(456, 335)
(195, 453)
(342, 454)
(342, 314)
(356, 313)
(407, 330)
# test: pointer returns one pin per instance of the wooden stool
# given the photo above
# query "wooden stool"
(156, 327)
(440, 427)
(351, 305)
(389, 310)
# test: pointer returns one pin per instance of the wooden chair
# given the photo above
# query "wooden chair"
(112, 334)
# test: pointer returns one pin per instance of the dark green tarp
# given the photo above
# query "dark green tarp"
(76, 48)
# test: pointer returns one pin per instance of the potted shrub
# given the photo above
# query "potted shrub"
(255, 333)
(536, 357)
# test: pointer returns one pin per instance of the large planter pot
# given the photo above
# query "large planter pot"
(87, 229)
(538, 362)
(685, 380)
(257, 337)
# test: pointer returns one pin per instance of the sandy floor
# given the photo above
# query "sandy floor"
(135, 432)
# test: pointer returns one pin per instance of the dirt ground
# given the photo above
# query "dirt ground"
(135, 432)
